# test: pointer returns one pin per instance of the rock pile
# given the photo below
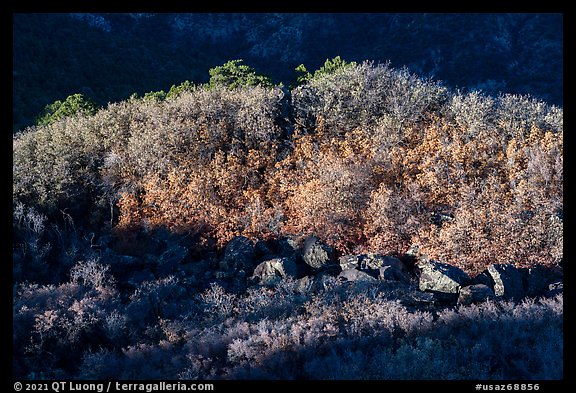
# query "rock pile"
(245, 263)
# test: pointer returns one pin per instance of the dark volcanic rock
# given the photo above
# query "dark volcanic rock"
(474, 294)
(392, 273)
(238, 255)
(537, 279)
(507, 281)
(370, 262)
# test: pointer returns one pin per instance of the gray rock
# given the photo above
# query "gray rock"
(370, 262)
(288, 245)
(304, 284)
(322, 282)
(507, 281)
(273, 271)
(174, 255)
(355, 276)
(441, 277)
(316, 254)
(555, 288)
(348, 261)
(238, 254)
(537, 279)
(418, 299)
(392, 273)
(474, 294)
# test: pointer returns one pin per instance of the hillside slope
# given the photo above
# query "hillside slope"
(107, 57)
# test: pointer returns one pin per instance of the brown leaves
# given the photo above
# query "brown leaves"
(373, 185)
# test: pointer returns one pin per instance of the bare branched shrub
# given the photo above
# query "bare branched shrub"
(359, 95)
(219, 303)
(91, 273)
(394, 218)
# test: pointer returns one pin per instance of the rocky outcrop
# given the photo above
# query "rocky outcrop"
(425, 283)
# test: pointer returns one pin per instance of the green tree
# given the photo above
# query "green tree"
(302, 75)
(76, 103)
(177, 90)
(155, 95)
(234, 74)
(330, 66)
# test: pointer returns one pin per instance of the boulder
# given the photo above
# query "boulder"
(392, 273)
(474, 294)
(238, 255)
(288, 245)
(506, 279)
(273, 271)
(348, 261)
(355, 275)
(537, 279)
(369, 262)
(316, 254)
(441, 277)
(174, 255)
(555, 288)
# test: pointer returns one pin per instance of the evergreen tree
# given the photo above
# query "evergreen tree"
(234, 74)
(76, 103)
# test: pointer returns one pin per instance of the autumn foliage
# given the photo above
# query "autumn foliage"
(366, 157)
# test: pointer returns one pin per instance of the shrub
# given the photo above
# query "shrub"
(328, 198)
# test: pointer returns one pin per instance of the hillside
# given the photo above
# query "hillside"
(237, 229)
(107, 57)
